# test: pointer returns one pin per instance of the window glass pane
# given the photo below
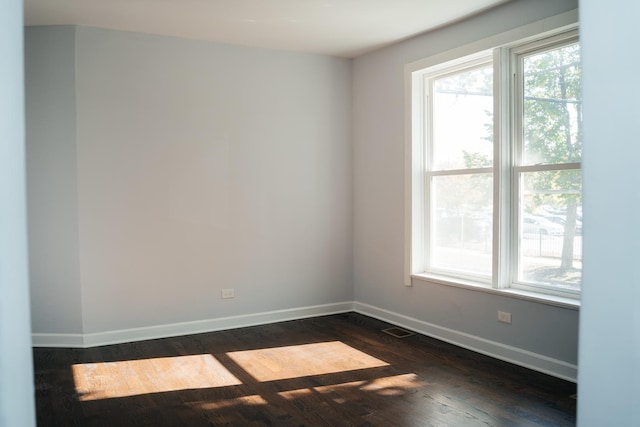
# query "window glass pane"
(552, 122)
(462, 213)
(463, 120)
(550, 237)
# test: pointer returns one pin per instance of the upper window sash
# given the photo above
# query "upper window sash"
(518, 54)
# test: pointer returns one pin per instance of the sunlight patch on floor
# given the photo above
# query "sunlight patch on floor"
(386, 386)
(252, 400)
(296, 361)
(105, 380)
(394, 385)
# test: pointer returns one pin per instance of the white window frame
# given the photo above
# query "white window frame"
(501, 47)
(464, 64)
(563, 38)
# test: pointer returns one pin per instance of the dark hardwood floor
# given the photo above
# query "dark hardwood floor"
(339, 370)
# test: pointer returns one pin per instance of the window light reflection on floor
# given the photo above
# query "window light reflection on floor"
(253, 400)
(105, 380)
(296, 361)
(386, 386)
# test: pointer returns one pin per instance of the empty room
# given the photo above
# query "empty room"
(318, 212)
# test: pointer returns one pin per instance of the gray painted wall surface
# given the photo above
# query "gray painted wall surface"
(379, 132)
(609, 380)
(200, 167)
(17, 407)
(51, 180)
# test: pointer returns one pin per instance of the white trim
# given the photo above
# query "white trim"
(186, 328)
(494, 349)
(517, 356)
(517, 293)
(502, 159)
(57, 340)
(415, 259)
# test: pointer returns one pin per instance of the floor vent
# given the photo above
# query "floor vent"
(397, 332)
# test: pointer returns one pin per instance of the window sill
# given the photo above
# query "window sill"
(554, 300)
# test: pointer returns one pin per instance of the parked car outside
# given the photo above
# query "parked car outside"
(532, 224)
(561, 220)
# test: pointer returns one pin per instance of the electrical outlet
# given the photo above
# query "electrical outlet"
(227, 293)
(504, 317)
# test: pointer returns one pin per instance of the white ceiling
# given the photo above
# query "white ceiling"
(335, 27)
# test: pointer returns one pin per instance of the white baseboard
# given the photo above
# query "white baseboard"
(58, 340)
(517, 356)
(186, 328)
(528, 359)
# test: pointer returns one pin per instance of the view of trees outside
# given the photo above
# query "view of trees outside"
(550, 213)
(552, 132)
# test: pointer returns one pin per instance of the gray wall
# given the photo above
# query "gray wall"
(379, 135)
(17, 406)
(609, 386)
(195, 167)
(52, 180)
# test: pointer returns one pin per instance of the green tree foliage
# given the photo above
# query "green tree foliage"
(552, 133)
(553, 106)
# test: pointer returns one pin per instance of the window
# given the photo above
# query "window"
(494, 160)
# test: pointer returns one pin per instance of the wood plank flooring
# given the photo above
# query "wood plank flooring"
(339, 370)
